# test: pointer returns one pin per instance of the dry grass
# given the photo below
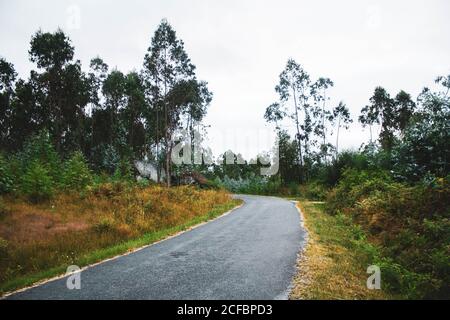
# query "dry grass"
(333, 264)
(68, 230)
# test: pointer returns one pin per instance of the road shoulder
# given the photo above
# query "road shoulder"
(334, 261)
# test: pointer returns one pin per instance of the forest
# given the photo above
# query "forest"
(69, 140)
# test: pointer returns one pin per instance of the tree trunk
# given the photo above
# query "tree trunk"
(168, 162)
(298, 129)
(337, 137)
(158, 167)
(166, 127)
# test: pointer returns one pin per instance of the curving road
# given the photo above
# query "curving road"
(248, 254)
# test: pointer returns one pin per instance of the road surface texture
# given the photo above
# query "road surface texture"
(248, 254)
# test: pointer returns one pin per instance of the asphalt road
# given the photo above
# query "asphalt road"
(248, 254)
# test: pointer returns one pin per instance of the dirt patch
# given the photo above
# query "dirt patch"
(26, 227)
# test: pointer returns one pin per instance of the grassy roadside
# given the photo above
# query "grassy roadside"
(118, 249)
(335, 260)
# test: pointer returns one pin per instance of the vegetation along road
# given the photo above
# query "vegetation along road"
(248, 254)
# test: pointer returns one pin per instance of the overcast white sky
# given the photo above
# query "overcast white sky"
(240, 47)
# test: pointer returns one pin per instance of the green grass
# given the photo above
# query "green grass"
(115, 250)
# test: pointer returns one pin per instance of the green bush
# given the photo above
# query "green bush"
(293, 189)
(124, 171)
(411, 224)
(6, 177)
(331, 174)
(76, 174)
(143, 183)
(214, 184)
(315, 191)
(37, 184)
(400, 280)
(103, 226)
(354, 186)
(40, 148)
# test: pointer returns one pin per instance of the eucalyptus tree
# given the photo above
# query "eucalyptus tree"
(52, 52)
(288, 170)
(26, 116)
(131, 115)
(98, 71)
(64, 88)
(405, 108)
(380, 111)
(275, 113)
(113, 90)
(392, 114)
(294, 88)
(171, 89)
(341, 115)
(424, 149)
(7, 79)
(295, 93)
(321, 113)
(197, 97)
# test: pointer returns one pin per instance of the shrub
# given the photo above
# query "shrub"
(293, 189)
(37, 184)
(76, 175)
(314, 191)
(412, 285)
(108, 158)
(410, 223)
(40, 148)
(124, 171)
(214, 184)
(103, 226)
(149, 206)
(354, 186)
(143, 183)
(332, 173)
(6, 177)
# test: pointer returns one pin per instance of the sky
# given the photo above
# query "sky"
(240, 48)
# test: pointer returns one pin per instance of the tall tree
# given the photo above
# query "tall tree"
(132, 114)
(321, 112)
(275, 113)
(168, 72)
(391, 114)
(197, 97)
(404, 107)
(98, 71)
(288, 169)
(7, 78)
(341, 115)
(65, 88)
(97, 75)
(113, 90)
(295, 88)
(425, 145)
(28, 114)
